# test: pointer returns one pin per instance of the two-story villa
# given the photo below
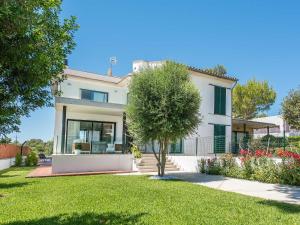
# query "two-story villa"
(91, 108)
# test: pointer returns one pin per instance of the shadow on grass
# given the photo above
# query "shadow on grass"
(85, 219)
(289, 208)
(12, 185)
(7, 176)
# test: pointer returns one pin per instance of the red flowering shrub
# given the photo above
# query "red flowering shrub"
(287, 154)
(245, 152)
(262, 153)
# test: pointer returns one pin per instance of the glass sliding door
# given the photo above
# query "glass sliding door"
(94, 136)
(103, 134)
(79, 132)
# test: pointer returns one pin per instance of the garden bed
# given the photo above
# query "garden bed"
(256, 165)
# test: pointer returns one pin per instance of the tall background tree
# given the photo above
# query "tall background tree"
(252, 99)
(33, 47)
(38, 145)
(290, 108)
(218, 70)
(164, 106)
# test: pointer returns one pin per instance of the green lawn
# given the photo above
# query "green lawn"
(111, 199)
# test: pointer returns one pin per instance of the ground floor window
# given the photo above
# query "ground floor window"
(219, 138)
(94, 136)
(176, 147)
(239, 141)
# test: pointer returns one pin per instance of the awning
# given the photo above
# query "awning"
(252, 124)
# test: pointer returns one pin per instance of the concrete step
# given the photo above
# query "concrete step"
(155, 170)
(148, 164)
(154, 166)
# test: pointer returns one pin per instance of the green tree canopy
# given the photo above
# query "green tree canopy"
(290, 108)
(33, 47)
(218, 70)
(164, 106)
(252, 99)
(38, 145)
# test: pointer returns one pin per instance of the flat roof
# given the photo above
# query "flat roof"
(253, 124)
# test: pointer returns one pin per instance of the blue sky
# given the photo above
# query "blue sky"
(254, 38)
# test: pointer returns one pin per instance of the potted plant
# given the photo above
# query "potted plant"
(137, 154)
(78, 148)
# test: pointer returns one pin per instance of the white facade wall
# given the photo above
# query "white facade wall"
(71, 88)
(278, 120)
(206, 85)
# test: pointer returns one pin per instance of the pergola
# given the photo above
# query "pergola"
(244, 125)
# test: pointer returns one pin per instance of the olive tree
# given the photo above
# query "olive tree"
(163, 106)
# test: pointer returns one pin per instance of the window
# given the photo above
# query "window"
(219, 138)
(94, 136)
(220, 100)
(177, 147)
(96, 96)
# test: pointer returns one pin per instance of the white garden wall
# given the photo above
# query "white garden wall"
(6, 163)
(91, 163)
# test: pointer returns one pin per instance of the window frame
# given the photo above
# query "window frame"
(217, 127)
(220, 100)
(93, 91)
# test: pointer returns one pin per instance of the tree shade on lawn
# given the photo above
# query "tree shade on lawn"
(111, 199)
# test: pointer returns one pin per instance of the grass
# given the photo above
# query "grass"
(111, 199)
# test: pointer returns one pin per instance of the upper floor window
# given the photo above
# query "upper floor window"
(220, 100)
(96, 96)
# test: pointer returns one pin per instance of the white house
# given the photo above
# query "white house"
(90, 111)
(278, 131)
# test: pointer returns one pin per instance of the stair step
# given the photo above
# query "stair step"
(155, 170)
(154, 166)
(148, 164)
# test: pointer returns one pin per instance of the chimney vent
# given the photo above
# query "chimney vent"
(109, 72)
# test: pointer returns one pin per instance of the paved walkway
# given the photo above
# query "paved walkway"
(283, 193)
(46, 171)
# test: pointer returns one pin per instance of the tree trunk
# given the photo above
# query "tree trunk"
(163, 157)
(157, 157)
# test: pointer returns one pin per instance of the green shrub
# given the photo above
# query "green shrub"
(136, 152)
(19, 160)
(265, 170)
(247, 167)
(31, 159)
(201, 164)
(274, 142)
(229, 166)
(294, 140)
(213, 167)
(290, 172)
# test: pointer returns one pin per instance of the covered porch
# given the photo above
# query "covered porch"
(89, 137)
(91, 127)
(243, 130)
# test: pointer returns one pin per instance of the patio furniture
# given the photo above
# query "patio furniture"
(42, 157)
(98, 147)
(110, 148)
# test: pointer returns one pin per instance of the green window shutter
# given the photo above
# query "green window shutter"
(220, 100)
(219, 138)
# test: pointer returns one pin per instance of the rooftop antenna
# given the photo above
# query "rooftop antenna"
(112, 61)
